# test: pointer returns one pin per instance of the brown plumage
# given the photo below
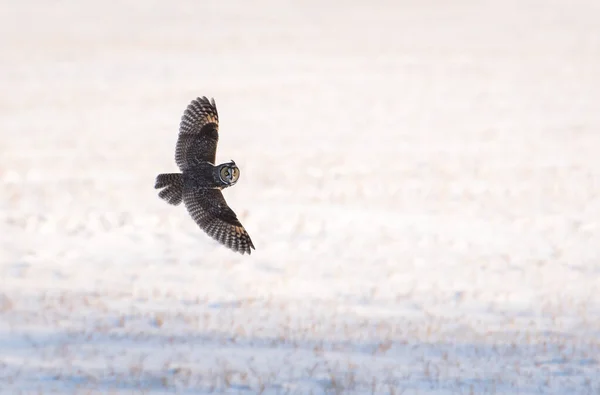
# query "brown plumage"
(200, 182)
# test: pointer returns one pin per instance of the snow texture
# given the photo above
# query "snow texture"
(421, 180)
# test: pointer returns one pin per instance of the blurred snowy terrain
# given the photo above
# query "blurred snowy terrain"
(421, 180)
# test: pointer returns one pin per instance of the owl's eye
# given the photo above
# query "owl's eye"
(235, 174)
(225, 174)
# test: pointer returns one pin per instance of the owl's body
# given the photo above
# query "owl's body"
(203, 175)
(200, 182)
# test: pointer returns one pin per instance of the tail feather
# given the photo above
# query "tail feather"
(173, 187)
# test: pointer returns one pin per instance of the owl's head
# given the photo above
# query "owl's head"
(229, 173)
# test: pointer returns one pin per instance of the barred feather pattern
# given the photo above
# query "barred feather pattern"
(198, 133)
(212, 214)
(173, 187)
(199, 185)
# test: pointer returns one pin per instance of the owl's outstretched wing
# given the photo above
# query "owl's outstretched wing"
(198, 133)
(212, 214)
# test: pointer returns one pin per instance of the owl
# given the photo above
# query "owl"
(200, 182)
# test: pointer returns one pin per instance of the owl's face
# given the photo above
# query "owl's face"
(229, 173)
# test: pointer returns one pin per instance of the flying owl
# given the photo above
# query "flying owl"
(200, 182)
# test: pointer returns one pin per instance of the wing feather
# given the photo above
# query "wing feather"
(210, 211)
(198, 133)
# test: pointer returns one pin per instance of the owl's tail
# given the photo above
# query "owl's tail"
(173, 187)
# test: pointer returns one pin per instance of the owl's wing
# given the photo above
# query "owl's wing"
(212, 214)
(198, 133)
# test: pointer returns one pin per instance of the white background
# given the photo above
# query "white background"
(421, 180)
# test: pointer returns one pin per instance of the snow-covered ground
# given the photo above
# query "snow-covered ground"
(421, 180)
